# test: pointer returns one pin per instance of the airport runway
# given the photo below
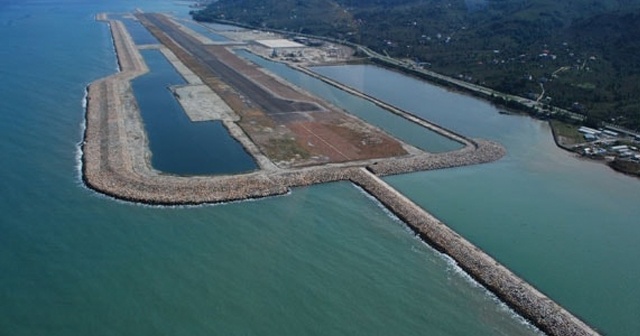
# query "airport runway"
(255, 93)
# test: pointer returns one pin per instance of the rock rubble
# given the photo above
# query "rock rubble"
(518, 294)
(116, 163)
(117, 160)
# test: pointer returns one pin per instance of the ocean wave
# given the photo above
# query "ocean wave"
(452, 266)
(379, 204)
(113, 48)
(83, 129)
(455, 270)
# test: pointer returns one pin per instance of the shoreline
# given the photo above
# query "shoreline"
(518, 105)
(116, 156)
(634, 171)
(115, 162)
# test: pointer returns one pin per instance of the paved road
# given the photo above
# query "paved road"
(265, 99)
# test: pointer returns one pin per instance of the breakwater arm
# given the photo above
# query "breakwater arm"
(116, 162)
(116, 158)
(518, 294)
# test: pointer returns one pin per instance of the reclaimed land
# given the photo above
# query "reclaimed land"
(291, 127)
(116, 162)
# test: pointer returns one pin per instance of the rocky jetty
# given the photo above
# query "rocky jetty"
(518, 294)
(116, 162)
(116, 158)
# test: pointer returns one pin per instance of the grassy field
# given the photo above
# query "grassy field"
(566, 134)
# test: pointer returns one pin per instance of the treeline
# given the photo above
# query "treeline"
(584, 54)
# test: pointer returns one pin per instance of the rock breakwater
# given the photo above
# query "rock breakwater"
(116, 158)
(518, 294)
(116, 162)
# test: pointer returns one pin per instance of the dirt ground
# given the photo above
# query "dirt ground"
(291, 127)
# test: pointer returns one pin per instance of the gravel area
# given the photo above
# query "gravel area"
(116, 163)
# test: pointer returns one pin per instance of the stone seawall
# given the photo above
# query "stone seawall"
(116, 158)
(116, 162)
(518, 294)
(391, 108)
(482, 151)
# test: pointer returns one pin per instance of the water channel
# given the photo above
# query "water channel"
(397, 126)
(569, 226)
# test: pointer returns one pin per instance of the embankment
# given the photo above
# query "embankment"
(116, 158)
(116, 162)
(393, 109)
(518, 294)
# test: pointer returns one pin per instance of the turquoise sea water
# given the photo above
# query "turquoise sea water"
(568, 226)
(397, 126)
(324, 260)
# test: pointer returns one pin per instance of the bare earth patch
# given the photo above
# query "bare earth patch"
(290, 126)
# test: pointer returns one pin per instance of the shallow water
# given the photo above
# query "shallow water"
(322, 260)
(138, 32)
(200, 29)
(397, 126)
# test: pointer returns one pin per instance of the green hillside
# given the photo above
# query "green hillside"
(583, 54)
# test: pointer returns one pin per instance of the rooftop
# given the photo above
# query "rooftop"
(280, 43)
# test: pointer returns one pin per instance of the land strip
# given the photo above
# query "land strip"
(116, 162)
(116, 157)
(517, 293)
(274, 115)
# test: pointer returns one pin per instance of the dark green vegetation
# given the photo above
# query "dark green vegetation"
(626, 166)
(581, 55)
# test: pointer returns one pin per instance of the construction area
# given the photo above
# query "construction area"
(291, 127)
(297, 140)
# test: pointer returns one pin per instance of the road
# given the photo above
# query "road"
(257, 94)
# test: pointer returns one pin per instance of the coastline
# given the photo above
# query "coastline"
(620, 166)
(115, 162)
(116, 156)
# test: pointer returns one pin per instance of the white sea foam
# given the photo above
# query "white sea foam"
(453, 267)
(457, 271)
(85, 97)
(113, 47)
(83, 128)
(379, 204)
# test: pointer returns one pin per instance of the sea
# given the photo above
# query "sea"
(322, 260)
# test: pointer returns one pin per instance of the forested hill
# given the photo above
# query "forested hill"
(585, 54)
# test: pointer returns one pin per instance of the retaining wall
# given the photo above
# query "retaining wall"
(116, 162)
(518, 294)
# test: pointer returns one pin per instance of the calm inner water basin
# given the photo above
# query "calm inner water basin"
(179, 146)
(397, 126)
(323, 260)
(200, 29)
(139, 33)
(568, 226)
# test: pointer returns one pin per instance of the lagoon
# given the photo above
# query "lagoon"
(323, 260)
(397, 126)
(178, 145)
(566, 225)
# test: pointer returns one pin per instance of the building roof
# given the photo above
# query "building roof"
(280, 43)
